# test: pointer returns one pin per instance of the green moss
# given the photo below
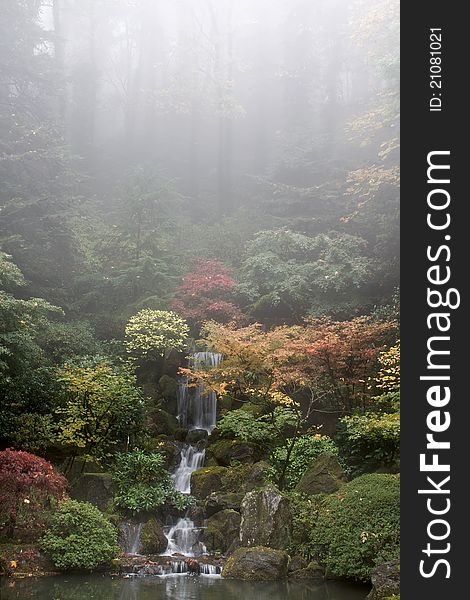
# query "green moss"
(207, 480)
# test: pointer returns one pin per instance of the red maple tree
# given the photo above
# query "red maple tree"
(28, 484)
(206, 293)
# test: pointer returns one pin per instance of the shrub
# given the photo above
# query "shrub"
(28, 487)
(305, 450)
(80, 537)
(154, 331)
(370, 440)
(304, 509)
(358, 527)
(143, 483)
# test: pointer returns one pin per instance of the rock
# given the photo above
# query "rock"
(205, 481)
(266, 518)
(153, 538)
(96, 488)
(296, 563)
(256, 477)
(162, 422)
(385, 581)
(324, 476)
(223, 530)
(218, 501)
(312, 571)
(257, 564)
(196, 435)
(227, 451)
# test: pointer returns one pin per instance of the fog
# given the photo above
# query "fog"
(234, 116)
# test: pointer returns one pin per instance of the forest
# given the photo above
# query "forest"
(199, 293)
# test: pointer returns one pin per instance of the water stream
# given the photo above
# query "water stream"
(197, 409)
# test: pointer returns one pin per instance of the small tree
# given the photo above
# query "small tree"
(28, 486)
(151, 332)
(102, 408)
(206, 293)
(80, 537)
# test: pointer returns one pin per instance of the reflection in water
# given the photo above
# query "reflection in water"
(175, 587)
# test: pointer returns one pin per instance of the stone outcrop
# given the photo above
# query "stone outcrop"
(266, 519)
(385, 581)
(257, 564)
(222, 531)
(206, 481)
(324, 476)
(153, 538)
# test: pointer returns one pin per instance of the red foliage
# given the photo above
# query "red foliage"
(28, 483)
(204, 294)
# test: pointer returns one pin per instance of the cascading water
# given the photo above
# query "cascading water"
(197, 409)
(191, 459)
(183, 538)
(131, 537)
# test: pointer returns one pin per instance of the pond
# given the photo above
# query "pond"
(176, 587)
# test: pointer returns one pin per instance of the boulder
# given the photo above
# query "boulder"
(385, 581)
(245, 478)
(153, 538)
(324, 476)
(219, 501)
(205, 481)
(266, 519)
(312, 571)
(227, 451)
(96, 488)
(296, 563)
(222, 531)
(162, 422)
(196, 435)
(257, 564)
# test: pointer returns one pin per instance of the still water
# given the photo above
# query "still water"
(178, 587)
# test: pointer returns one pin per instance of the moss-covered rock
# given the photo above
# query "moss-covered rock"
(217, 501)
(226, 452)
(257, 564)
(385, 581)
(162, 422)
(266, 519)
(153, 538)
(207, 480)
(312, 571)
(222, 532)
(324, 476)
(245, 478)
(96, 488)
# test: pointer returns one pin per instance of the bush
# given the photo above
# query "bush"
(80, 537)
(304, 509)
(154, 331)
(143, 483)
(29, 485)
(358, 527)
(305, 450)
(370, 440)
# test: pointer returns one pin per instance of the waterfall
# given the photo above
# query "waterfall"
(197, 408)
(206, 569)
(191, 459)
(183, 538)
(131, 537)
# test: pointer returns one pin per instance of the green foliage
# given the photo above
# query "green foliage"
(80, 537)
(370, 440)
(154, 331)
(291, 460)
(102, 407)
(63, 342)
(144, 483)
(289, 274)
(358, 527)
(263, 430)
(304, 510)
